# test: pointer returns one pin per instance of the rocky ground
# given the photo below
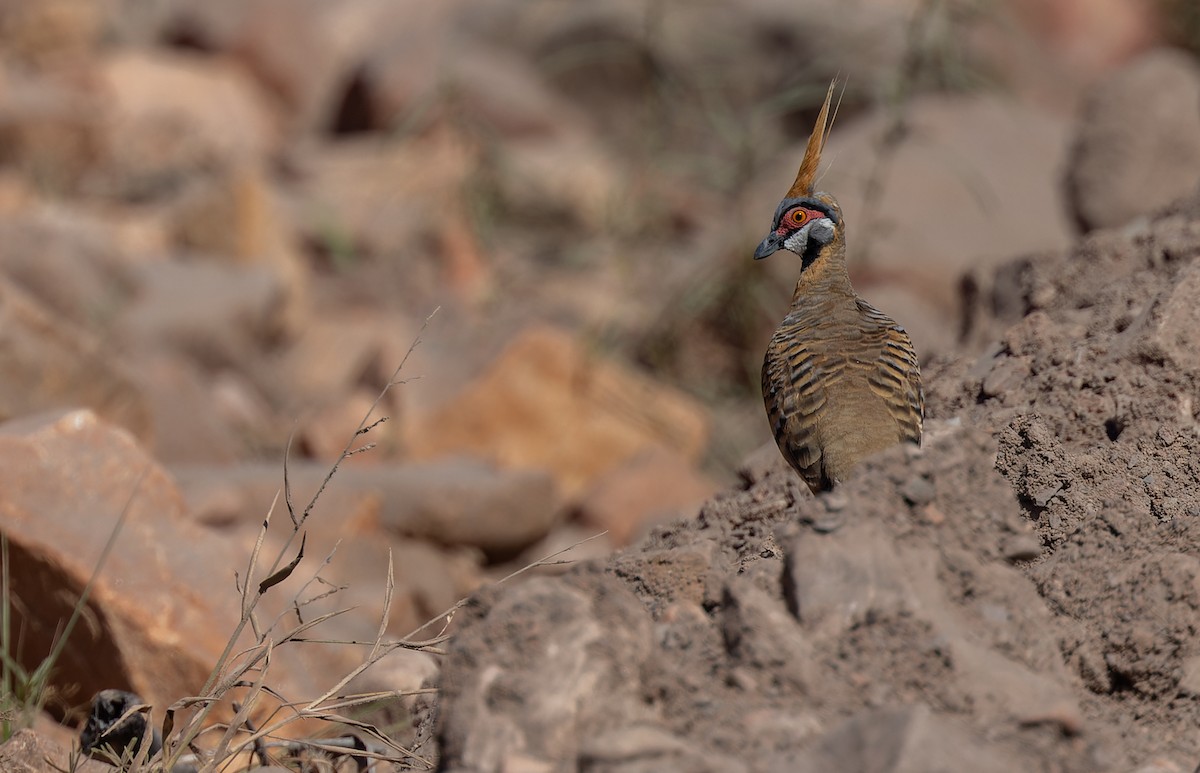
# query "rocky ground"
(225, 223)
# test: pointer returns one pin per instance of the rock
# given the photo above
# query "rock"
(302, 53)
(49, 363)
(464, 502)
(908, 740)
(1137, 145)
(55, 33)
(645, 749)
(918, 491)
(338, 351)
(28, 752)
(196, 434)
(655, 486)
(534, 663)
(325, 430)
(219, 315)
(1167, 330)
(764, 638)
(158, 622)
(487, 87)
(567, 179)
(48, 130)
(1007, 375)
(1022, 547)
(71, 263)
(547, 403)
(172, 114)
(1189, 679)
(382, 197)
(452, 502)
(233, 216)
(831, 583)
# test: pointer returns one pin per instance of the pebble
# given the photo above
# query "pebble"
(917, 491)
(1022, 547)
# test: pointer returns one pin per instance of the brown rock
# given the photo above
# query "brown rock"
(296, 50)
(325, 431)
(171, 114)
(233, 216)
(28, 752)
(1137, 145)
(54, 32)
(1168, 329)
(215, 313)
(654, 486)
(48, 363)
(188, 426)
(464, 502)
(490, 88)
(48, 129)
(547, 403)
(340, 350)
(453, 502)
(380, 197)
(567, 178)
(67, 260)
(158, 621)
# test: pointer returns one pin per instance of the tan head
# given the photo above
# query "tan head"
(806, 221)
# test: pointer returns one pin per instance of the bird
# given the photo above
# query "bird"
(840, 378)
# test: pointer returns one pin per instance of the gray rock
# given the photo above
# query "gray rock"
(909, 739)
(1137, 145)
(832, 582)
(763, 637)
(540, 666)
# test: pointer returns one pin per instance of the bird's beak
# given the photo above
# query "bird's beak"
(767, 246)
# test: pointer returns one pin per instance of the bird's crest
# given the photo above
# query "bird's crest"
(807, 176)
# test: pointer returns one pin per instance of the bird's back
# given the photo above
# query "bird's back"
(840, 382)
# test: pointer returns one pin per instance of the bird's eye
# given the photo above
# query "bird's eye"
(798, 216)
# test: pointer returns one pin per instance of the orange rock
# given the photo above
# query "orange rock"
(549, 403)
(655, 485)
(161, 608)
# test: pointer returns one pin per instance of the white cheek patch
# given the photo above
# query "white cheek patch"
(798, 241)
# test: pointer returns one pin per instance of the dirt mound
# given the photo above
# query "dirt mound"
(1021, 593)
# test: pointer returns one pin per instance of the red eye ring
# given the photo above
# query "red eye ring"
(798, 216)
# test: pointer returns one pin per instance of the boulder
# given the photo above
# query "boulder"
(158, 616)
